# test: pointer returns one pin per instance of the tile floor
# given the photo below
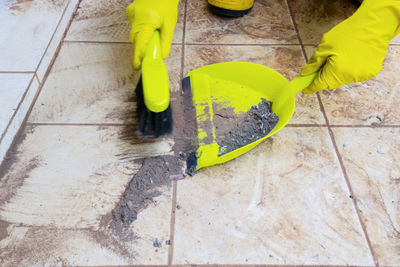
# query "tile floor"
(323, 191)
(30, 36)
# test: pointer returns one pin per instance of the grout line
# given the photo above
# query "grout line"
(103, 42)
(240, 44)
(322, 108)
(94, 42)
(175, 188)
(48, 69)
(255, 265)
(364, 126)
(16, 72)
(296, 29)
(183, 40)
(77, 124)
(347, 180)
(172, 223)
(37, 79)
(52, 36)
(306, 125)
(132, 124)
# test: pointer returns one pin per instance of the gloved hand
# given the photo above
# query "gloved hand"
(146, 16)
(354, 50)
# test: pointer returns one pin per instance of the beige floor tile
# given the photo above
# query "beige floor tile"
(309, 49)
(371, 158)
(373, 102)
(57, 247)
(291, 206)
(287, 60)
(396, 40)
(267, 23)
(12, 89)
(63, 178)
(86, 247)
(71, 175)
(94, 83)
(316, 17)
(105, 20)
(26, 29)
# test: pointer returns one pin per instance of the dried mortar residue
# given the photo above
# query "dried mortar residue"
(234, 131)
(144, 187)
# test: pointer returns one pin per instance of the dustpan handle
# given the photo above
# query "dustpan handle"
(300, 83)
(293, 87)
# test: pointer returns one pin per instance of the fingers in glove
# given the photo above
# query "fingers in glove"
(167, 33)
(327, 78)
(141, 40)
(317, 60)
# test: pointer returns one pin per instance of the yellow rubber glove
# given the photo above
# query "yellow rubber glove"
(354, 50)
(146, 16)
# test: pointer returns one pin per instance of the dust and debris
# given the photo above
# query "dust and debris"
(10, 181)
(234, 131)
(185, 122)
(156, 244)
(144, 187)
(3, 229)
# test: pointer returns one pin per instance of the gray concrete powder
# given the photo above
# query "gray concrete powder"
(234, 131)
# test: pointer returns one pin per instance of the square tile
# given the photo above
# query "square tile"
(291, 207)
(94, 83)
(105, 20)
(26, 30)
(267, 23)
(287, 60)
(371, 158)
(63, 183)
(316, 17)
(373, 102)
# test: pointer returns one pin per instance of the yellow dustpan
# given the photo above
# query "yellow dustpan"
(236, 85)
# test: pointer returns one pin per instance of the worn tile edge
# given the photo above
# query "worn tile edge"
(56, 39)
(17, 120)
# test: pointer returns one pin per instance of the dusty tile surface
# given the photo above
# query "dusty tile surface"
(267, 23)
(371, 158)
(396, 40)
(105, 20)
(291, 207)
(94, 83)
(12, 89)
(26, 29)
(314, 18)
(74, 181)
(372, 102)
(287, 60)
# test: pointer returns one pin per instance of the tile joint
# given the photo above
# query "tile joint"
(355, 204)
